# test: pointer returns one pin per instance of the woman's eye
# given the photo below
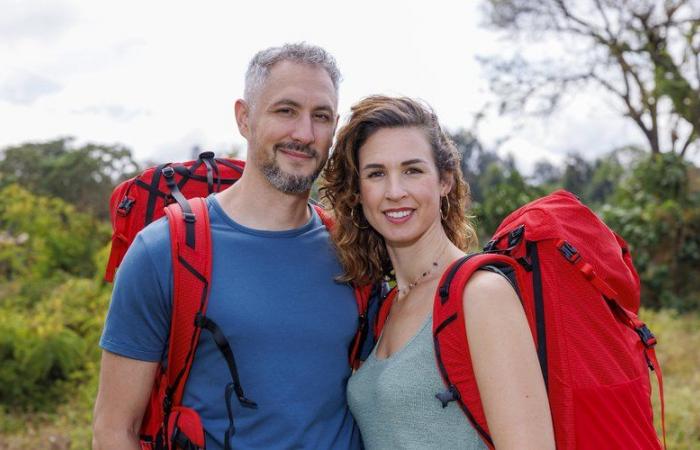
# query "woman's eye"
(375, 174)
(413, 170)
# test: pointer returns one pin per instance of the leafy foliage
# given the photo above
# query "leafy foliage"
(43, 237)
(83, 176)
(53, 300)
(505, 190)
(658, 211)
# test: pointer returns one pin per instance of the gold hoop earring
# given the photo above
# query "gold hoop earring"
(447, 213)
(354, 222)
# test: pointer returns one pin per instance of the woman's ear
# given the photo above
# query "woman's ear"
(446, 184)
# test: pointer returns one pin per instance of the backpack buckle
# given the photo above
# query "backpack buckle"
(450, 395)
(189, 217)
(168, 172)
(646, 336)
(569, 252)
(515, 236)
(125, 205)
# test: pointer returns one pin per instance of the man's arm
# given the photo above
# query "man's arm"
(122, 397)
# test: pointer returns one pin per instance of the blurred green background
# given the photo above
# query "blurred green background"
(642, 56)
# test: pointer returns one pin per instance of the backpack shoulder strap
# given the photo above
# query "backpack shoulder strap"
(364, 296)
(190, 239)
(450, 336)
(325, 217)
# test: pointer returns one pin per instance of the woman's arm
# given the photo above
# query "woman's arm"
(505, 365)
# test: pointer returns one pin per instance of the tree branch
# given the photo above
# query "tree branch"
(692, 137)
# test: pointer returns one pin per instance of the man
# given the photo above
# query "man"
(272, 292)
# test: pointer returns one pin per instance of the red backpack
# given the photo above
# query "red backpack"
(139, 201)
(135, 203)
(580, 294)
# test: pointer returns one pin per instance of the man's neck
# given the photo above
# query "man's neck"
(253, 202)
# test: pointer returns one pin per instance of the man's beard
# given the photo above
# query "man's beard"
(288, 183)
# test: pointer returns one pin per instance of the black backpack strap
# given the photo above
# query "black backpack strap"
(224, 347)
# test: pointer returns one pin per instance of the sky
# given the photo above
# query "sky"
(162, 77)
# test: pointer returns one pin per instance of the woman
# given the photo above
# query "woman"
(397, 191)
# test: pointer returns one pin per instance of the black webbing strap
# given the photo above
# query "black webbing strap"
(230, 388)
(210, 175)
(206, 323)
(169, 174)
(151, 205)
(218, 175)
(229, 165)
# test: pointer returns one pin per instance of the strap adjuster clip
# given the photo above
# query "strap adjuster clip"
(189, 217)
(646, 336)
(125, 205)
(569, 251)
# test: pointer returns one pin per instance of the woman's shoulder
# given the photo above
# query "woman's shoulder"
(489, 284)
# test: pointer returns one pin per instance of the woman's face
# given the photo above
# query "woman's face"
(400, 187)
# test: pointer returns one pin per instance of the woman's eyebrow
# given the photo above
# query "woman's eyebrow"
(414, 161)
(373, 166)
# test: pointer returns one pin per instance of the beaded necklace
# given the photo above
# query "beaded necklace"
(402, 292)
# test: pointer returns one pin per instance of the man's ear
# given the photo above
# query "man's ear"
(242, 110)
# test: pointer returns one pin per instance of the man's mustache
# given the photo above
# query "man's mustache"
(296, 147)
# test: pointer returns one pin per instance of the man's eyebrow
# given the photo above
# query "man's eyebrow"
(286, 102)
(292, 103)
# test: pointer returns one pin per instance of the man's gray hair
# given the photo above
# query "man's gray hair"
(303, 53)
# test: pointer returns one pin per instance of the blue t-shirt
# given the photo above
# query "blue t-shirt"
(289, 325)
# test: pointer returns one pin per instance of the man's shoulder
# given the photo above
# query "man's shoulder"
(156, 234)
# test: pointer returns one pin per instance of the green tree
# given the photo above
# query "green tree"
(44, 238)
(645, 54)
(505, 190)
(475, 160)
(545, 173)
(83, 176)
(577, 174)
(657, 210)
(606, 174)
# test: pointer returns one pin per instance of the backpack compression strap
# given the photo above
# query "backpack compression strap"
(450, 336)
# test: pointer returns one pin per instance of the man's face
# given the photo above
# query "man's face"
(290, 124)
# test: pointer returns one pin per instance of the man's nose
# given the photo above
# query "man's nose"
(304, 130)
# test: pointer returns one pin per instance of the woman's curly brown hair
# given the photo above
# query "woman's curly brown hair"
(361, 251)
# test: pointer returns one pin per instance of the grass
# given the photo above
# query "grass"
(68, 426)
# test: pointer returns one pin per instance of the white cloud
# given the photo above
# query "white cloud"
(161, 76)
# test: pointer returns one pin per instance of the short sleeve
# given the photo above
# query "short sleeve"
(138, 319)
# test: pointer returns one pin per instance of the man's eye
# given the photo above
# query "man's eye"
(285, 111)
(323, 117)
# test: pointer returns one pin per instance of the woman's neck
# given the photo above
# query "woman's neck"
(423, 259)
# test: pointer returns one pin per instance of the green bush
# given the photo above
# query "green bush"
(656, 209)
(37, 356)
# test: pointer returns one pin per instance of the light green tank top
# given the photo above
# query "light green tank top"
(393, 401)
